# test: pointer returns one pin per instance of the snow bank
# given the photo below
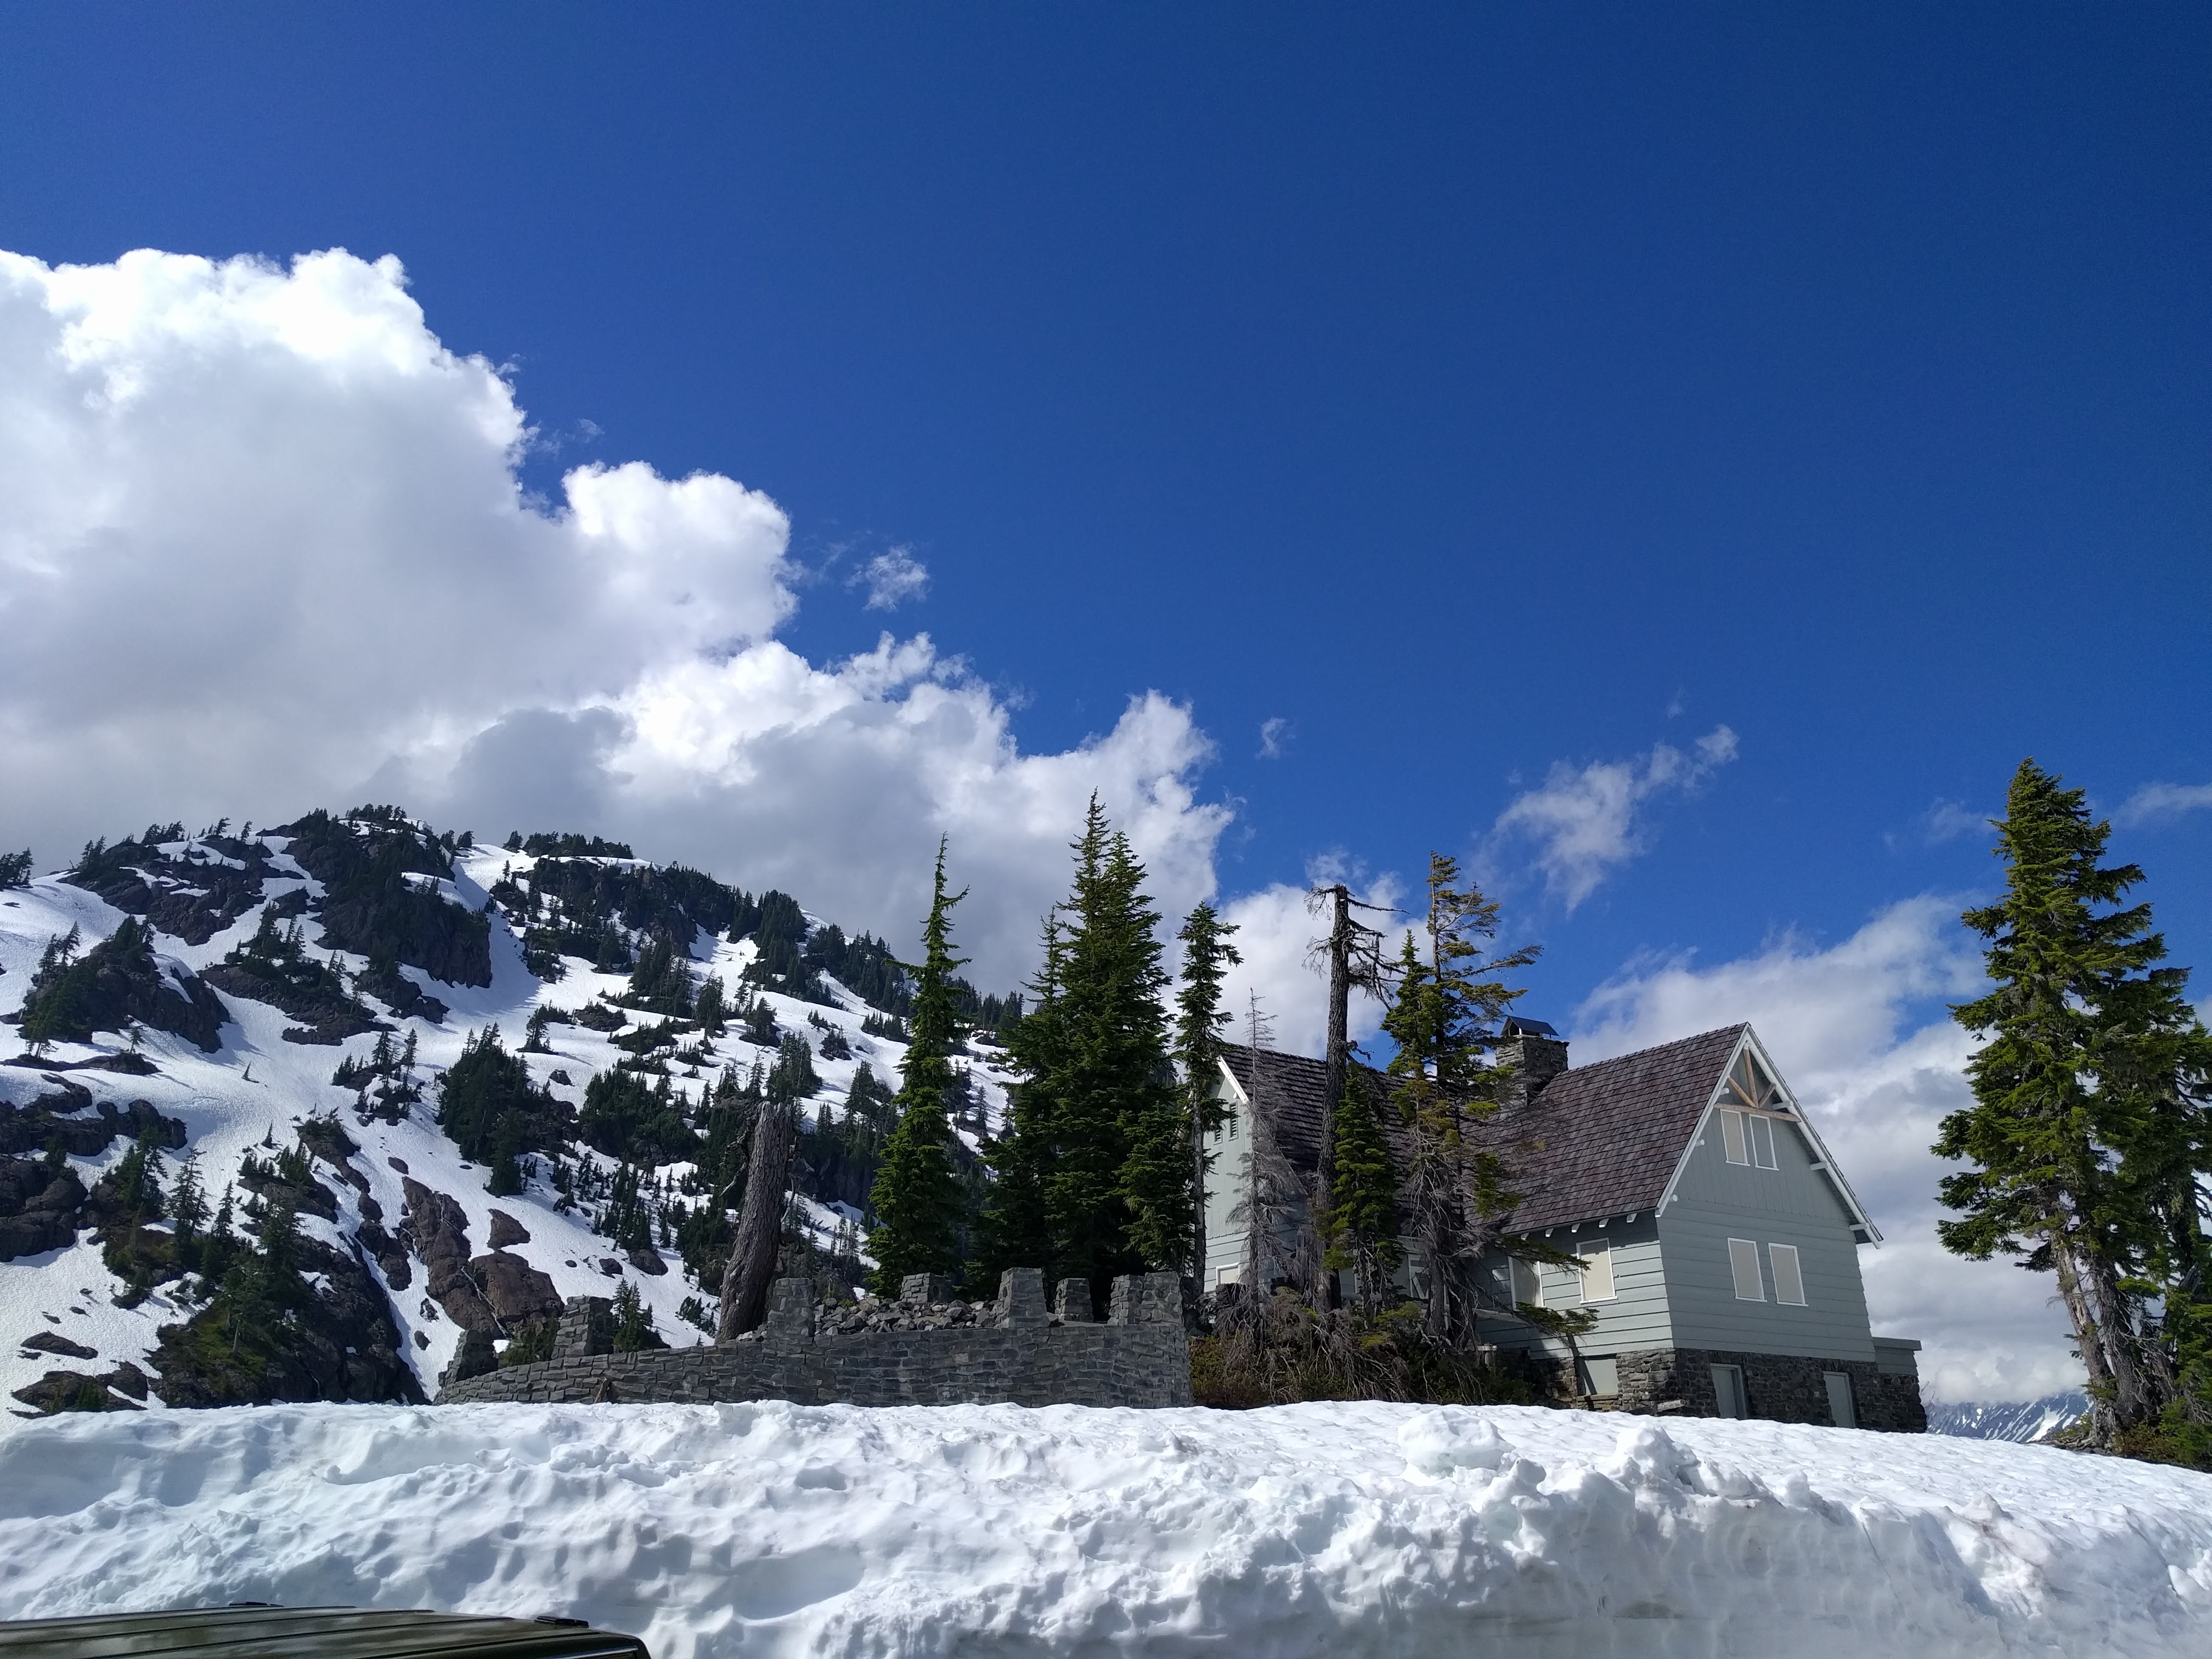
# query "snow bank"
(772, 1528)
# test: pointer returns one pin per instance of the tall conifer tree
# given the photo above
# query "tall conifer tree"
(1017, 1232)
(2088, 1137)
(1100, 1146)
(1445, 1020)
(1207, 956)
(1115, 1082)
(1361, 1227)
(918, 1195)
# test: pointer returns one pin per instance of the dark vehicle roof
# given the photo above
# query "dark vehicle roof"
(264, 1632)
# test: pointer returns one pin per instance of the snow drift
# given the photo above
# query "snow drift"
(771, 1529)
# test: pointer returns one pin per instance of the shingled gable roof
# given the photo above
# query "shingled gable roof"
(1292, 1086)
(1604, 1139)
(1598, 1140)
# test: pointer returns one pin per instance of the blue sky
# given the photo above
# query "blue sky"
(1428, 399)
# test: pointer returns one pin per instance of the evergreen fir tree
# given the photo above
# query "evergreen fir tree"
(1111, 1079)
(633, 1320)
(792, 1078)
(710, 1010)
(917, 1196)
(188, 1205)
(2089, 1134)
(1207, 956)
(1015, 1231)
(1360, 1231)
(1444, 1020)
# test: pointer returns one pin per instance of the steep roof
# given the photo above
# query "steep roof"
(1604, 1139)
(1292, 1086)
(1597, 1140)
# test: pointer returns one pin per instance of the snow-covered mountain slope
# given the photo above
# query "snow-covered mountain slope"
(2020, 1420)
(405, 1216)
(1337, 1530)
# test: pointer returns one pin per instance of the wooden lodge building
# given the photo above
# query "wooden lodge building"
(1714, 1236)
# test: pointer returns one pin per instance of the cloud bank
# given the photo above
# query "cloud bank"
(1585, 822)
(263, 546)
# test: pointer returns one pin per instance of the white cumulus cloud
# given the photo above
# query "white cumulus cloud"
(1586, 821)
(891, 578)
(2154, 802)
(263, 546)
(1278, 928)
(1856, 1029)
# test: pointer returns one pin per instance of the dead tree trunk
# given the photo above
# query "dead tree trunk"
(760, 1224)
(1353, 951)
(1337, 1056)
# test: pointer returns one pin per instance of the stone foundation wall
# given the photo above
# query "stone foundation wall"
(1027, 1356)
(1778, 1388)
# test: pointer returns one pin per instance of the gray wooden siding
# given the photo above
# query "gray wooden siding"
(1225, 1185)
(1227, 1181)
(1714, 1202)
(1637, 1317)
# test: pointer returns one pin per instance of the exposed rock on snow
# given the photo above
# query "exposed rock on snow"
(1336, 1530)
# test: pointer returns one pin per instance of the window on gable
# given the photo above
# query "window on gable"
(1743, 1263)
(1732, 1137)
(1789, 1277)
(1762, 1142)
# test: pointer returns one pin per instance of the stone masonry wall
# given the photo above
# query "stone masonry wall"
(1778, 1388)
(1026, 1355)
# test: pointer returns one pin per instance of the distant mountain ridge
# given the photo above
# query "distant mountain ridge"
(2022, 1421)
(314, 1112)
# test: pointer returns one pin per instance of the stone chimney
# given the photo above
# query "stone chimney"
(1537, 1053)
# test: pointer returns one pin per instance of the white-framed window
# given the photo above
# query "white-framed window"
(1597, 1271)
(1762, 1142)
(1732, 1139)
(1789, 1277)
(1528, 1284)
(1743, 1262)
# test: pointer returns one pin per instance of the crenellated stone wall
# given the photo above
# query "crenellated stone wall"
(1016, 1349)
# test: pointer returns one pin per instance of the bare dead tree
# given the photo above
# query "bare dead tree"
(1353, 953)
(760, 1224)
(1280, 1244)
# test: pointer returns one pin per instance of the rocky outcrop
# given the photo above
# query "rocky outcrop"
(195, 895)
(437, 1231)
(327, 1016)
(516, 1290)
(73, 1391)
(118, 981)
(340, 1343)
(58, 1115)
(406, 999)
(40, 1208)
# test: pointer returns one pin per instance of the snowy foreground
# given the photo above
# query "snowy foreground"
(773, 1528)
